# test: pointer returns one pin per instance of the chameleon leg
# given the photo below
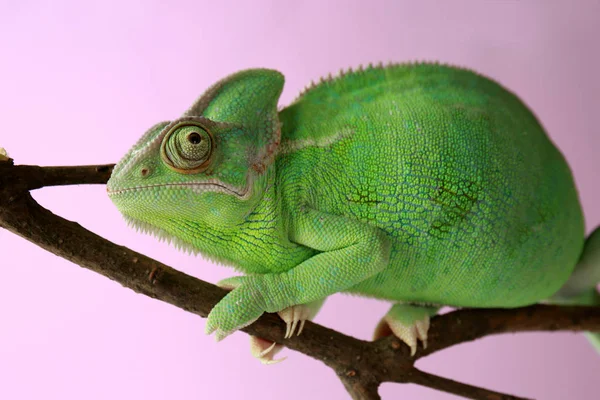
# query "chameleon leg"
(581, 289)
(350, 251)
(294, 316)
(408, 322)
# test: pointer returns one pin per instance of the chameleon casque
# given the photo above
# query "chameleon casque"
(421, 184)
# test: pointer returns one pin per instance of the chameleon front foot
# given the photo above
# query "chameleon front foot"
(295, 317)
(409, 323)
(264, 350)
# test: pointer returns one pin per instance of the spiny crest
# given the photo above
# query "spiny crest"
(160, 234)
(164, 236)
(361, 70)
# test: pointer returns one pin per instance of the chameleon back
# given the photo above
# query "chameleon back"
(481, 206)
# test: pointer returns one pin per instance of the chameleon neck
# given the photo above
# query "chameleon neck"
(254, 244)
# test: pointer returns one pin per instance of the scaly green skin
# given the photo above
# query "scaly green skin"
(415, 183)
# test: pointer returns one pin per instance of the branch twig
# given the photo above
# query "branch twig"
(458, 388)
(362, 366)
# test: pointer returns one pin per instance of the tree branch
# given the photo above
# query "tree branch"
(35, 177)
(458, 388)
(361, 365)
(469, 324)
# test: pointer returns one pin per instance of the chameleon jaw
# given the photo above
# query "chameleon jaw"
(198, 187)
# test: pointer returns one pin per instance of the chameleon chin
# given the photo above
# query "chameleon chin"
(422, 184)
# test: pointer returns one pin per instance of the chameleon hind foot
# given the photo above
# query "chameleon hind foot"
(409, 323)
(264, 350)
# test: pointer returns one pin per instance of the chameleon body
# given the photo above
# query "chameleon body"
(422, 184)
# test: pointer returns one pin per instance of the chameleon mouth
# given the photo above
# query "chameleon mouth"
(198, 187)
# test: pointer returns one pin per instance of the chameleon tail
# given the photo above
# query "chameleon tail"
(594, 338)
(580, 289)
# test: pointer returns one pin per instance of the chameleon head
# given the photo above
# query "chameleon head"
(207, 168)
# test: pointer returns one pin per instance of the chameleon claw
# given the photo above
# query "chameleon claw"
(267, 350)
(271, 362)
(287, 329)
(264, 352)
(294, 324)
(409, 324)
(295, 317)
(408, 334)
(301, 327)
(422, 327)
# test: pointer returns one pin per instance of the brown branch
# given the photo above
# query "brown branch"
(35, 177)
(470, 324)
(361, 365)
(459, 388)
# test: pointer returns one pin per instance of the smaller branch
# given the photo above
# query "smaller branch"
(458, 388)
(36, 177)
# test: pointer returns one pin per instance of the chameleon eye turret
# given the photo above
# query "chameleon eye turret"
(187, 148)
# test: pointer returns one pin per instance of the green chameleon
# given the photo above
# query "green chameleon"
(421, 184)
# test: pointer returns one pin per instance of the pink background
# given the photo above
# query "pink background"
(79, 83)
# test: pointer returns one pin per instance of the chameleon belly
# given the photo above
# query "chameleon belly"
(453, 167)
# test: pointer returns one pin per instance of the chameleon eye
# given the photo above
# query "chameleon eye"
(194, 138)
(187, 148)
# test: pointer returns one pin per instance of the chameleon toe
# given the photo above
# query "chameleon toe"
(265, 350)
(301, 327)
(410, 334)
(409, 323)
(422, 327)
(295, 317)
